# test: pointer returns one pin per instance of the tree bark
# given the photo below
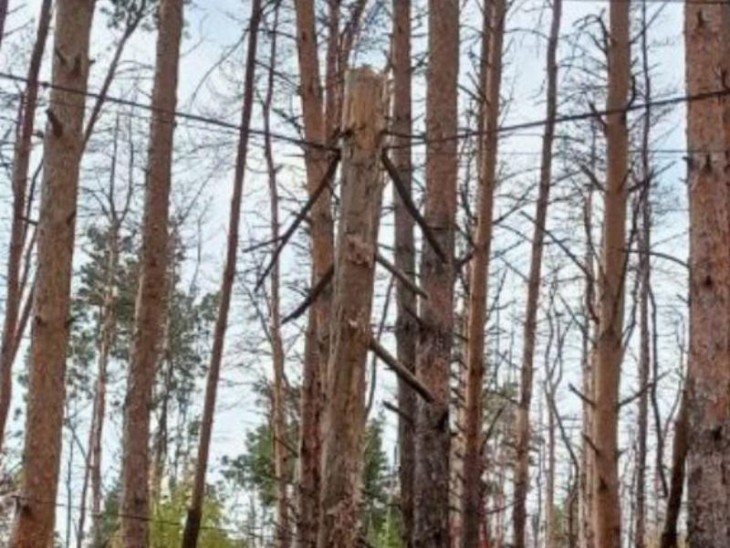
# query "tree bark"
(151, 306)
(195, 511)
(611, 281)
(344, 419)
(18, 227)
(522, 468)
(405, 258)
(317, 337)
(435, 338)
(34, 522)
(472, 503)
(708, 400)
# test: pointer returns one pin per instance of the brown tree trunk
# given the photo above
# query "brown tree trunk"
(609, 346)
(708, 399)
(344, 418)
(431, 495)
(151, 306)
(281, 449)
(18, 227)
(195, 511)
(676, 486)
(522, 467)
(34, 522)
(317, 338)
(405, 258)
(471, 505)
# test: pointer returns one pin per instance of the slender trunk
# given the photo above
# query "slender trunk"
(708, 400)
(644, 288)
(522, 468)
(471, 504)
(676, 487)
(195, 511)
(344, 417)
(34, 521)
(587, 360)
(551, 516)
(21, 165)
(609, 351)
(317, 337)
(151, 306)
(405, 258)
(281, 450)
(431, 495)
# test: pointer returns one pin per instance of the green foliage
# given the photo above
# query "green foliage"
(128, 13)
(168, 521)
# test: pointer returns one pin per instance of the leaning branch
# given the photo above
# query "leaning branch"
(323, 282)
(403, 373)
(324, 183)
(411, 206)
(401, 276)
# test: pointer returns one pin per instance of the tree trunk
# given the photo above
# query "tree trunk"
(34, 522)
(18, 227)
(472, 503)
(644, 289)
(431, 495)
(609, 351)
(317, 338)
(676, 486)
(151, 306)
(344, 419)
(522, 468)
(195, 511)
(708, 400)
(405, 258)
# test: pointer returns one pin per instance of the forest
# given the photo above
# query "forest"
(365, 273)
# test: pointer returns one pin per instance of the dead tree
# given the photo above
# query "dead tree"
(433, 434)
(471, 504)
(405, 260)
(195, 511)
(344, 418)
(522, 468)
(611, 281)
(317, 337)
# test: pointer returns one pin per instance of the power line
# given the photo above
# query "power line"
(416, 138)
(175, 114)
(587, 115)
